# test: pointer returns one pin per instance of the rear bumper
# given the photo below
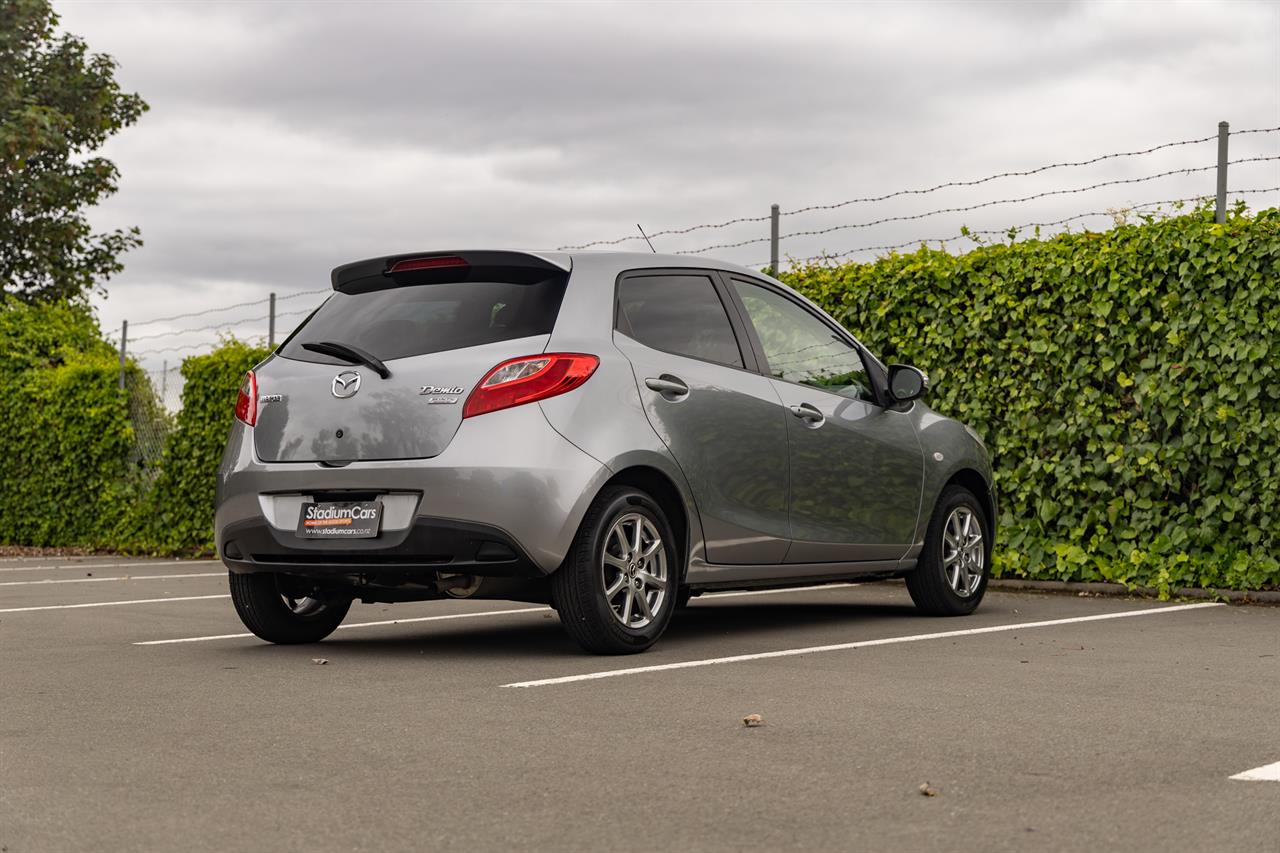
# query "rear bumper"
(506, 477)
(426, 546)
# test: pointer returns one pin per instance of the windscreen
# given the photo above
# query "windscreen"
(400, 321)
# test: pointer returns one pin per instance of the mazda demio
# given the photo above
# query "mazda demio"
(605, 432)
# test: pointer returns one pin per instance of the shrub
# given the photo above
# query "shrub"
(182, 504)
(65, 422)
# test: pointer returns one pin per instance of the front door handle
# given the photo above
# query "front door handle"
(810, 414)
(670, 387)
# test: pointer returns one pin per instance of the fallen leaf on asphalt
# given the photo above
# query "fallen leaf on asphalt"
(752, 720)
(320, 661)
(927, 791)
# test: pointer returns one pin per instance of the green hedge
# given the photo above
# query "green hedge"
(65, 427)
(1125, 381)
(182, 503)
(78, 475)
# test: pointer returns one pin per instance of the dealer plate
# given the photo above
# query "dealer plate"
(340, 520)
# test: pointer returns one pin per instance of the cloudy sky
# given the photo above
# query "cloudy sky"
(285, 138)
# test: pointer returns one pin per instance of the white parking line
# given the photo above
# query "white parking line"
(359, 625)
(1266, 773)
(862, 644)
(112, 603)
(122, 578)
(116, 565)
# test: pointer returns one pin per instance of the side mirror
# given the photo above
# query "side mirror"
(906, 383)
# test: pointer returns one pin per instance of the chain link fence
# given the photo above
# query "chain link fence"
(152, 422)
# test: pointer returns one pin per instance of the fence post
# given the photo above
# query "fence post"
(271, 323)
(1220, 212)
(164, 381)
(124, 343)
(773, 240)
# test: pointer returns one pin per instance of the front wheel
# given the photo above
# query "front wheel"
(278, 614)
(951, 577)
(617, 588)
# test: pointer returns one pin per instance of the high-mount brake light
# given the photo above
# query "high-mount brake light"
(440, 262)
(527, 379)
(247, 401)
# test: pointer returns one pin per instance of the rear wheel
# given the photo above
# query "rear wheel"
(275, 611)
(617, 588)
(951, 577)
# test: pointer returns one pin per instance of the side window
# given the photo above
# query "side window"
(802, 348)
(680, 314)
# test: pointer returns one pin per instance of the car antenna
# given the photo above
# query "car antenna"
(646, 239)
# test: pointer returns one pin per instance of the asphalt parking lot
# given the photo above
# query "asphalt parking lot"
(135, 715)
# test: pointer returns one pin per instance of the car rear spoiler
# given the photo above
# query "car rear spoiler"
(439, 267)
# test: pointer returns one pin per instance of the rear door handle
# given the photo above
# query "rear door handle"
(670, 387)
(810, 414)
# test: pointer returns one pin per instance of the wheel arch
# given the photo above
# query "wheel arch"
(972, 480)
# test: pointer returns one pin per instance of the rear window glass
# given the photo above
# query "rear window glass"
(680, 314)
(402, 321)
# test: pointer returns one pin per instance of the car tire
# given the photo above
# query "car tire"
(277, 617)
(604, 555)
(951, 577)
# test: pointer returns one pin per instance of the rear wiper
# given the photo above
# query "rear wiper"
(346, 352)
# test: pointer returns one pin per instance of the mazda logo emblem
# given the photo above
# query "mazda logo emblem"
(346, 384)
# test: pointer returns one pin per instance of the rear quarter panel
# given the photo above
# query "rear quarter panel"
(605, 417)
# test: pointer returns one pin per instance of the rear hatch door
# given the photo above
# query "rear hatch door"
(437, 329)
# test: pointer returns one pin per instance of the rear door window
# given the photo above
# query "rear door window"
(680, 314)
(402, 321)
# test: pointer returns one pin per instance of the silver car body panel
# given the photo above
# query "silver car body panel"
(385, 418)
(729, 437)
(507, 469)
(856, 479)
(762, 501)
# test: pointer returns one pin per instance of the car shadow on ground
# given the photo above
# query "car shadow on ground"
(540, 636)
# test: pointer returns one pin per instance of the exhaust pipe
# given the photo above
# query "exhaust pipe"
(458, 586)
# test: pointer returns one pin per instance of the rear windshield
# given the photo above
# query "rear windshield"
(402, 321)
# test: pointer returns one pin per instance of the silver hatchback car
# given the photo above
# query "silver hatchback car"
(609, 433)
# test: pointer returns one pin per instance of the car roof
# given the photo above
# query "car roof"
(632, 260)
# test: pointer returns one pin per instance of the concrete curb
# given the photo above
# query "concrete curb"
(1236, 596)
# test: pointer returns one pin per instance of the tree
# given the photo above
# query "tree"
(58, 104)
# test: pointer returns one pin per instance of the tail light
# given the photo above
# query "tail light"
(529, 378)
(247, 401)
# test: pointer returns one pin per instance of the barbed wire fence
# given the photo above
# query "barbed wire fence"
(775, 238)
(166, 341)
(166, 380)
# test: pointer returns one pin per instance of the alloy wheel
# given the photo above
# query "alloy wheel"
(963, 554)
(633, 567)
